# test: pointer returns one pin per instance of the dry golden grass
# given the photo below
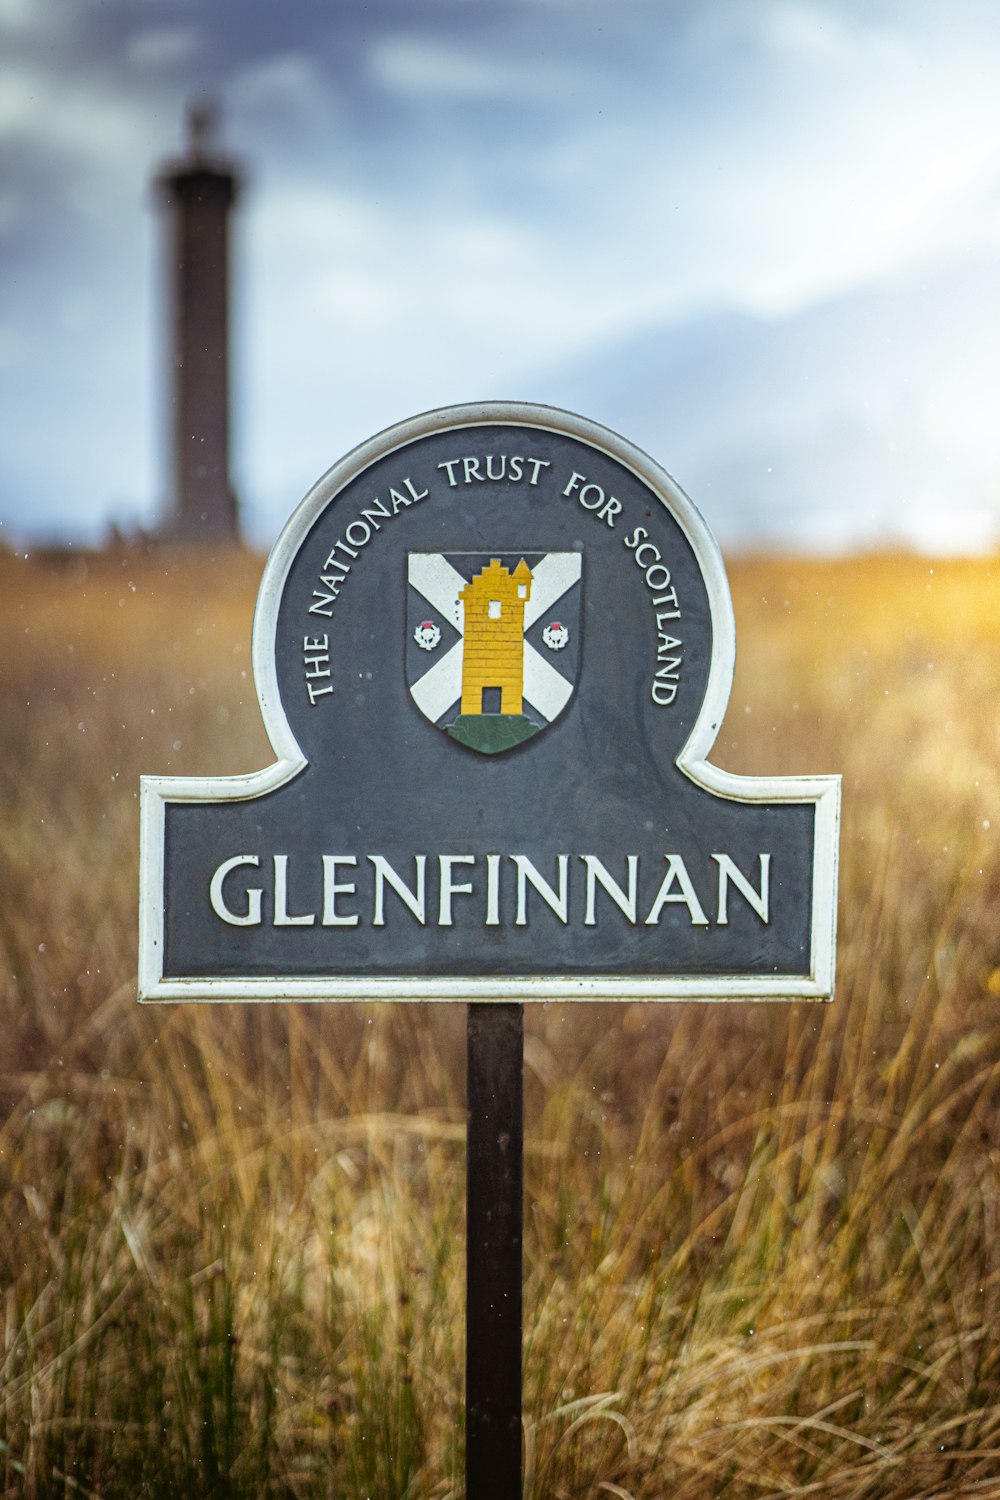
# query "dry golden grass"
(761, 1242)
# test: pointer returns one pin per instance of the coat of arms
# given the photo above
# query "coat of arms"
(492, 642)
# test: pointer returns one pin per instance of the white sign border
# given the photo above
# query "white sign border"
(822, 791)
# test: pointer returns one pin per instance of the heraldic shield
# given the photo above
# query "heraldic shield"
(493, 642)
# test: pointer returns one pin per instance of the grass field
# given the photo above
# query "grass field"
(761, 1241)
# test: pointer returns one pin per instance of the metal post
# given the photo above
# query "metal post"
(495, 1200)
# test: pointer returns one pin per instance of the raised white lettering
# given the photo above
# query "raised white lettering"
(412, 900)
(316, 661)
(598, 874)
(498, 466)
(663, 693)
(377, 508)
(446, 863)
(493, 890)
(592, 497)
(361, 541)
(685, 893)
(281, 914)
(331, 890)
(513, 882)
(251, 917)
(322, 603)
(526, 872)
(758, 900)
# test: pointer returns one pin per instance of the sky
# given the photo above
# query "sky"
(759, 238)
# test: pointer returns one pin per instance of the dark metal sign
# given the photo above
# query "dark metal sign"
(493, 648)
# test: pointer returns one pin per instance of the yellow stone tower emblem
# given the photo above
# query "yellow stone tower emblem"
(493, 659)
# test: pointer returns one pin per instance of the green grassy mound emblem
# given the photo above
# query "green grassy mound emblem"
(491, 733)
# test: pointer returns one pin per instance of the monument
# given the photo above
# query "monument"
(197, 194)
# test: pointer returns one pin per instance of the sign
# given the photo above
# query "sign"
(493, 648)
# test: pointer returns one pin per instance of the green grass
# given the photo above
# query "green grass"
(761, 1241)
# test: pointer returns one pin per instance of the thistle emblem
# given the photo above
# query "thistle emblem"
(427, 635)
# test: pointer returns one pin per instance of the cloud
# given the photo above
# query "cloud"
(471, 286)
(12, 347)
(17, 103)
(11, 210)
(158, 47)
(20, 15)
(792, 183)
(442, 71)
(807, 33)
(78, 119)
(817, 34)
(290, 84)
(855, 421)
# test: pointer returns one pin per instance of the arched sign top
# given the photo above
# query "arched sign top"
(552, 476)
(493, 647)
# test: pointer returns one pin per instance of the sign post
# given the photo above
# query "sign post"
(494, 1195)
(493, 648)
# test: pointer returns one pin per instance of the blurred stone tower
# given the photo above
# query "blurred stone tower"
(197, 194)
